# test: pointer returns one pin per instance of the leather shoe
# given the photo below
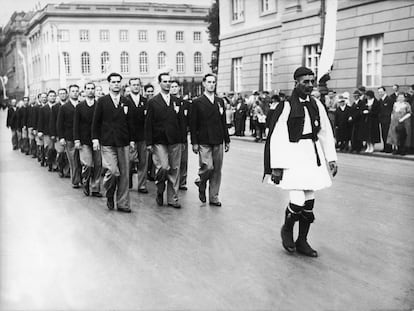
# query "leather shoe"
(124, 209)
(75, 186)
(86, 190)
(215, 203)
(183, 188)
(159, 199)
(143, 190)
(201, 192)
(97, 194)
(175, 205)
(110, 203)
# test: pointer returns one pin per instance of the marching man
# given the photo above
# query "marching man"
(299, 155)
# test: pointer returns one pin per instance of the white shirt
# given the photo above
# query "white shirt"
(73, 102)
(115, 99)
(210, 97)
(135, 98)
(166, 98)
(90, 102)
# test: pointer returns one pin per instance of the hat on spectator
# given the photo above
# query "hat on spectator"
(345, 95)
(302, 71)
(255, 92)
(357, 92)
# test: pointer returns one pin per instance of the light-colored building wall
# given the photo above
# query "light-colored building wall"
(43, 44)
(297, 23)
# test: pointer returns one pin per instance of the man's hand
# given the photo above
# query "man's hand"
(277, 175)
(132, 144)
(333, 167)
(226, 147)
(95, 144)
(62, 141)
(77, 144)
(196, 148)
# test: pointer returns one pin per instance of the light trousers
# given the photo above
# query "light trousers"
(211, 162)
(74, 162)
(91, 161)
(139, 155)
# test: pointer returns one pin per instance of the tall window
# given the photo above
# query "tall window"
(161, 35)
(372, 60)
(197, 36)
(143, 62)
(180, 62)
(104, 62)
(179, 36)
(237, 11)
(312, 57)
(236, 74)
(124, 62)
(198, 65)
(267, 6)
(123, 35)
(142, 35)
(267, 69)
(84, 35)
(104, 35)
(63, 35)
(85, 63)
(161, 60)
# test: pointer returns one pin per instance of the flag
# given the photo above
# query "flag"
(26, 85)
(329, 39)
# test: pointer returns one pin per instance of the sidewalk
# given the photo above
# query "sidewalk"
(375, 154)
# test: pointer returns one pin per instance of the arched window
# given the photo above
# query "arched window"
(180, 62)
(104, 62)
(124, 62)
(143, 62)
(85, 63)
(66, 62)
(198, 67)
(161, 60)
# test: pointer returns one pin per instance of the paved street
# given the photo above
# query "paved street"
(62, 250)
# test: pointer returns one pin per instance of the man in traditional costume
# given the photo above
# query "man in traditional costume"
(299, 145)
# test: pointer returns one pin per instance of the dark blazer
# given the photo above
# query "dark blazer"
(31, 115)
(369, 125)
(35, 114)
(12, 118)
(82, 123)
(110, 124)
(64, 123)
(208, 122)
(164, 124)
(137, 118)
(53, 119)
(44, 119)
(385, 109)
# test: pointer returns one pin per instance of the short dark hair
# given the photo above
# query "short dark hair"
(209, 75)
(396, 86)
(162, 74)
(175, 81)
(51, 91)
(275, 98)
(62, 89)
(113, 74)
(94, 86)
(132, 79)
(73, 85)
(370, 93)
(147, 86)
(382, 87)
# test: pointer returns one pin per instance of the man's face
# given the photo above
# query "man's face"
(51, 98)
(26, 101)
(149, 92)
(63, 95)
(331, 94)
(165, 83)
(381, 92)
(98, 91)
(13, 103)
(115, 84)
(90, 91)
(395, 88)
(174, 88)
(127, 91)
(135, 86)
(43, 98)
(210, 84)
(74, 93)
(304, 85)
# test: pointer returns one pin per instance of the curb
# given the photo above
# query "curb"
(376, 154)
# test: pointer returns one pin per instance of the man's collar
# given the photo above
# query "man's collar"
(304, 100)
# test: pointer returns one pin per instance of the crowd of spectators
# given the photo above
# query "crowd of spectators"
(362, 122)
